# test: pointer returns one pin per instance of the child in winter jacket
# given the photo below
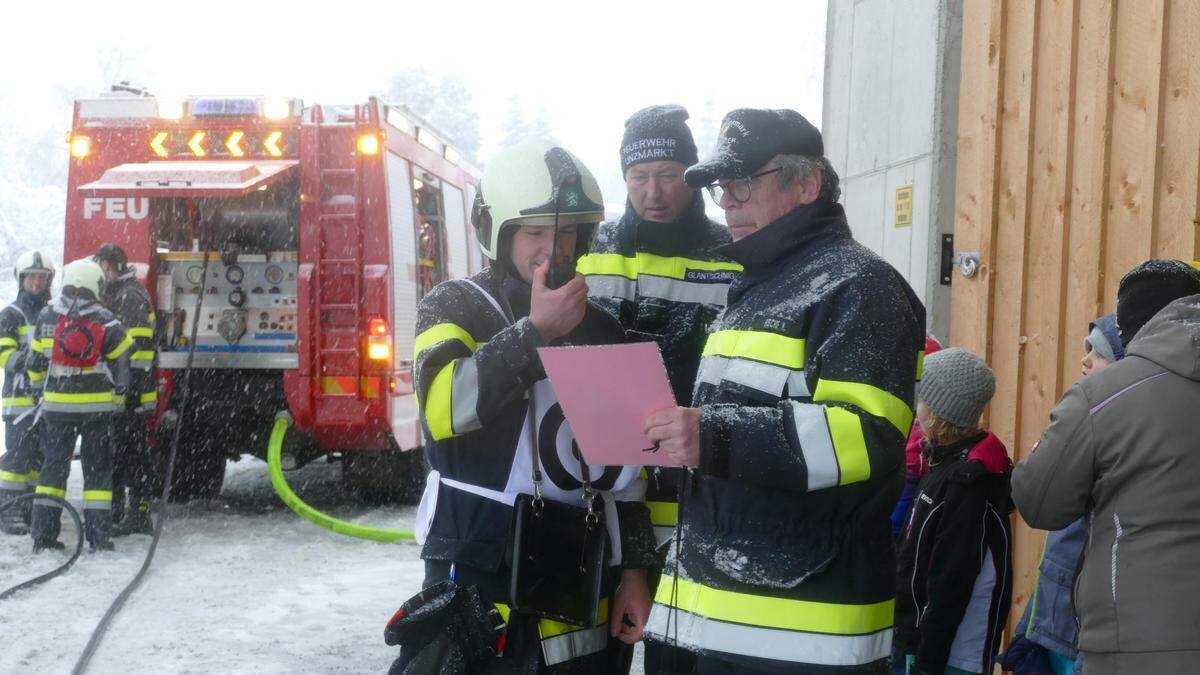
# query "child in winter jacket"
(954, 581)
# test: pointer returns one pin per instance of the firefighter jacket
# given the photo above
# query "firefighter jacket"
(128, 300)
(487, 407)
(71, 334)
(17, 322)
(806, 397)
(954, 579)
(664, 283)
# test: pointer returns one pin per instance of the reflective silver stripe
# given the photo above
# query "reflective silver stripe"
(141, 364)
(573, 645)
(812, 430)
(663, 534)
(78, 407)
(464, 396)
(13, 486)
(698, 632)
(607, 286)
(98, 504)
(147, 407)
(43, 501)
(677, 290)
(765, 377)
(14, 409)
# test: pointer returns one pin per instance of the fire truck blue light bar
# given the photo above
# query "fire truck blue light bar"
(224, 107)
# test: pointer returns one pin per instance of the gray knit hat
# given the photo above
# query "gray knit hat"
(956, 386)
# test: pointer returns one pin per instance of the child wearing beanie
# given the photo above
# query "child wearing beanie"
(954, 581)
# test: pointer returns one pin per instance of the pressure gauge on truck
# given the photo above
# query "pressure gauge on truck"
(274, 274)
(234, 274)
(194, 274)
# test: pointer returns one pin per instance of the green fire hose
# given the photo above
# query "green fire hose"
(274, 449)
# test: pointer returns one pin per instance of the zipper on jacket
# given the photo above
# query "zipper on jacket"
(1116, 542)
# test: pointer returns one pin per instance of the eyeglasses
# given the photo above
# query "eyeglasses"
(738, 188)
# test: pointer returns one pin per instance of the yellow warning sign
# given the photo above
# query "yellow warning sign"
(904, 206)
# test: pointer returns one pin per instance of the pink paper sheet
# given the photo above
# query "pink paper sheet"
(607, 392)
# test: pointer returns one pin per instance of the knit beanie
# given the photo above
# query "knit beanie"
(1105, 339)
(956, 386)
(655, 134)
(1149, 287)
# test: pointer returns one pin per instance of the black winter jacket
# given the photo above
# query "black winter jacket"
(954, 578)
(17, 323)
(126, 298)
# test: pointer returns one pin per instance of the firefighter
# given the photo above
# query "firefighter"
(655, 270)
(488, 410)
(84, 353)
(796, 439)
(133, 463)
(20, 464)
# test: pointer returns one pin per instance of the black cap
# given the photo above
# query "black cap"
(655, 134)
(1148, 288)
(113, 255)
(749, 138)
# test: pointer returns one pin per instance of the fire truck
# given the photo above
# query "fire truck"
(305, 234)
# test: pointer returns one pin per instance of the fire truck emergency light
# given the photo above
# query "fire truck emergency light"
(169, 109)
(377, 326)
(81, 146)
(196, 145)
(276, 108)
(368, 144)
(379, 351)
(157, 144)
(378, 348)
(271, 144)
(234, 144)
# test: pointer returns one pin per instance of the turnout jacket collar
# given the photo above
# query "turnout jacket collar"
(763, 251)
(680, 237)
(30, 304)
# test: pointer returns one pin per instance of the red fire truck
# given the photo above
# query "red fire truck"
(323, 226)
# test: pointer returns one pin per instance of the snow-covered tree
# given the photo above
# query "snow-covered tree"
(445, 101)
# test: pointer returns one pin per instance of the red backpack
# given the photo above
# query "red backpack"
(78, 342)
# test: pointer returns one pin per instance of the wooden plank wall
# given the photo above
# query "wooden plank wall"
(1078, 157)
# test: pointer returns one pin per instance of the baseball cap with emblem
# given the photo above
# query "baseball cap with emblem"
(749, 138)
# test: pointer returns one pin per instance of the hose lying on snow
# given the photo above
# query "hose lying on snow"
(274, 449)
(61, 568)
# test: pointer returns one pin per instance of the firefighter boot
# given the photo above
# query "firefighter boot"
(15, 519)
(97, 526)
(51, 545)
(137, 517)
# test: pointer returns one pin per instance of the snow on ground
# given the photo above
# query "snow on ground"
(239, 585)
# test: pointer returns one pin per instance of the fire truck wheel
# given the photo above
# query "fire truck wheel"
(387, 477)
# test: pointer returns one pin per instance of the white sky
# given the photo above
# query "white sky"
(590, 64)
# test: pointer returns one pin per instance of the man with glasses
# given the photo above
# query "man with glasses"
(803, 402)
(655, 270)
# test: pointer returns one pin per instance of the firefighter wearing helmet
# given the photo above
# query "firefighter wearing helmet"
(19, 466)
(511, 518)
(83, 351)
(133, 463)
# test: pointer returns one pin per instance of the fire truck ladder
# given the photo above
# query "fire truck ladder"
(340, 263)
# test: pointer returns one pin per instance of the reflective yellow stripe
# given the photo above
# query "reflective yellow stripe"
(120, 348)
(149, 397)
(43, 345)
(36, 375)
(920, 365)
(439, 333)
(97, 495)
(47, 490)
(871, 399)
(17, 477)
(548, 628)
(437, 405)
(758, 345)
(663, 514)
(91, 397)
(17, 400)
(25, 330)
(849, 446)
(615, 264)
(779, 613)
(8, 342)
(144, 355)
(140, 332)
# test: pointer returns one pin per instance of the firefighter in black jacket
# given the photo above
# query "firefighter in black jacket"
(84, 352)
(133, 464)
(803, 402)
(487, 409)
(19, 466)
(655, 269)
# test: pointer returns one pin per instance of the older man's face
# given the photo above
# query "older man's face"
(768, 202)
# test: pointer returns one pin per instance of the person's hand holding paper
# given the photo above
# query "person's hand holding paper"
(607, 394)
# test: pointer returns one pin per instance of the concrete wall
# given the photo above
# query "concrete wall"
(890, 120)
